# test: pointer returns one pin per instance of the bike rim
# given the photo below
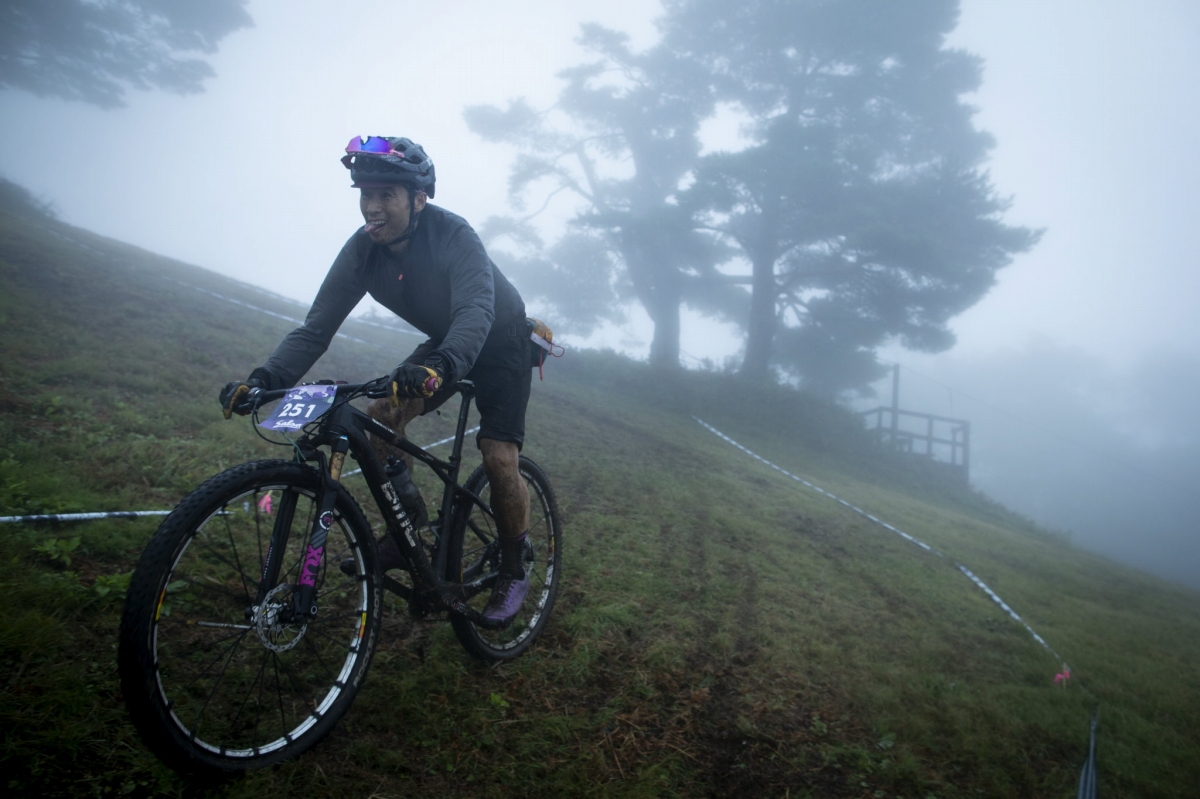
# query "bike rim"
(241, 687)
(480, 554)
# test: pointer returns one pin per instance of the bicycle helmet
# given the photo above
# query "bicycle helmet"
(376, 161)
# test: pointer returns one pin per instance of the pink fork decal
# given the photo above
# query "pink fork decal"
(312, 564)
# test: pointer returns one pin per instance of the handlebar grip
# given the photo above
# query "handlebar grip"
(251, 400)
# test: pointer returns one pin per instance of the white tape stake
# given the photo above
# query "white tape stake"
(995, 597)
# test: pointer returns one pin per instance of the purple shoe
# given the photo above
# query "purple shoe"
(507, 596)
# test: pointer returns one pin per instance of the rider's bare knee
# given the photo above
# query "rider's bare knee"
(498, 456)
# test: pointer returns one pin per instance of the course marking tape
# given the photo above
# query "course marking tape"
(273, 313)
(971, 575)
(134, 514)
(1007, 609)
(111, 257)
(80, 517)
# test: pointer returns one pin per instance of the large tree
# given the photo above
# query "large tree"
(860, 207)
(621, 138)
(860, 203)
(94, 50)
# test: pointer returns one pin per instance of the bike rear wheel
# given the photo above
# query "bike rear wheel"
(473, 553)
(219, 678)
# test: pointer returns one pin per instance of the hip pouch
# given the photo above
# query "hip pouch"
(541, 344)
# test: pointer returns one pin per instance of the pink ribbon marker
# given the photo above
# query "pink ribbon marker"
(1063, 675)
(264, 504)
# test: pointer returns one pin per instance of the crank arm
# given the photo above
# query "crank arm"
(397, 588)
(454, 601)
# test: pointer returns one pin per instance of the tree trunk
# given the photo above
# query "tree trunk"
(664, 347)
(660, 291)
(760, 330)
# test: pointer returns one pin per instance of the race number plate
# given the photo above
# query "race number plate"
(302, 405)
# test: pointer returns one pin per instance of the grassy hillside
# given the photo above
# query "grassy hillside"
(723, 631)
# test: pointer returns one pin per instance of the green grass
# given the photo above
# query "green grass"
(722, 631)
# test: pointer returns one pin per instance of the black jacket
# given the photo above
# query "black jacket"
(444, 285)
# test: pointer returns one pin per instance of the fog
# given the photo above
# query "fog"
(1080, 369)
(1108, 455)
(1077, 371)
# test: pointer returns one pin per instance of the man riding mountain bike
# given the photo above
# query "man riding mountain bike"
(428, 267)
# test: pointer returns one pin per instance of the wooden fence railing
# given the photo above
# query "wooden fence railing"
(939, 437)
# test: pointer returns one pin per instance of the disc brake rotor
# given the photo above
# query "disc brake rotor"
(276, 634)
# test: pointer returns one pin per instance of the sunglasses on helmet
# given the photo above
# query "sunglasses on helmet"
(372, 144)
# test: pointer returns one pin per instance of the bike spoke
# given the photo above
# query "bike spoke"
(216, 685)
(330, 673)
(217, 589)
(535, 525)
(346, 614)
(330, 633)
(233, 547)
(235, 640)
(283, 723)
(181, 655)
(299, 691)
(257, 681)
(258, 704)
(211, 550)
(333, 640)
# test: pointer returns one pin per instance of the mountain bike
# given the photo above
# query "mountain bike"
(252, 616)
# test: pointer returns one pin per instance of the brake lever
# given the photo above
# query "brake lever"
(251, 401)
(380, 388)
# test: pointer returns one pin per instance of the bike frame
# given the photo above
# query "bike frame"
(345, 429)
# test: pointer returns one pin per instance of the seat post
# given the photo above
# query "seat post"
(467, 389)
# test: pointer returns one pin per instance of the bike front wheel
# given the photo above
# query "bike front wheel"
(474, 558)
(219, 672)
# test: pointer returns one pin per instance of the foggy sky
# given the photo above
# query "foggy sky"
(1079, 371)
(1093, 104)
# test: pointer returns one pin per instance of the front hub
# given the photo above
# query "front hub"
(277, 627)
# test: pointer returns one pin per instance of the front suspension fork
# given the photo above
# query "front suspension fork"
(304, 599)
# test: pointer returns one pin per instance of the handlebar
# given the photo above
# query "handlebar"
(257, 397)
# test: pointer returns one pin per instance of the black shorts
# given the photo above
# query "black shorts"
(501, 393)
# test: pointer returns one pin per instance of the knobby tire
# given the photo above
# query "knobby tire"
(215, 688)
(473, 552)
